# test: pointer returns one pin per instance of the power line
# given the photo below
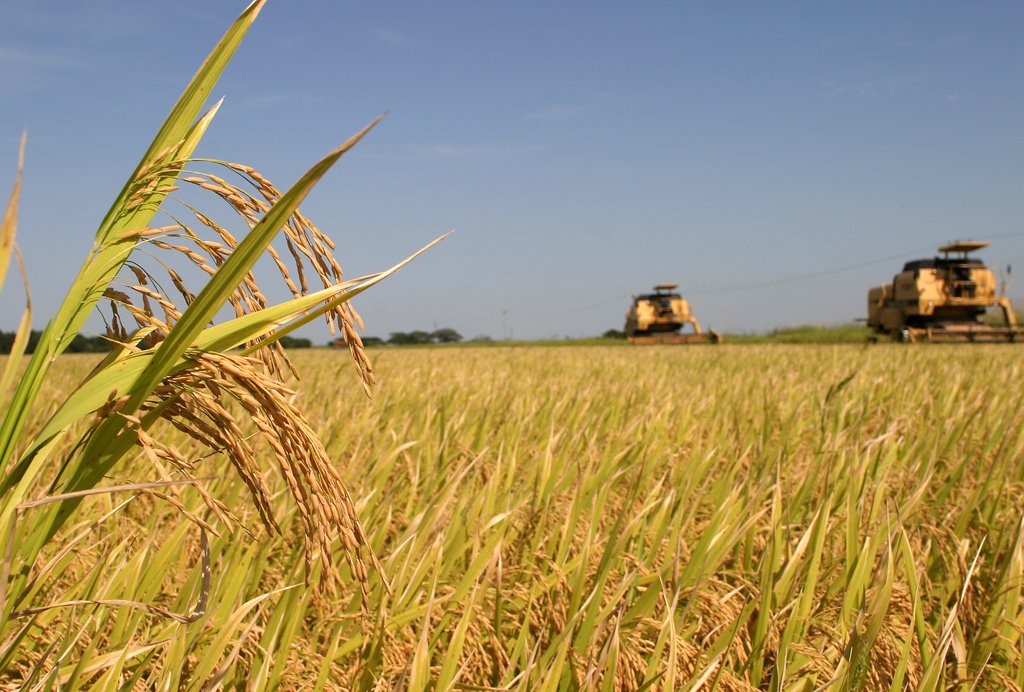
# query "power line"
(624, 298)
(825, 272)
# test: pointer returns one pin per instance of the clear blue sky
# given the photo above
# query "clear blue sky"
(582, 151)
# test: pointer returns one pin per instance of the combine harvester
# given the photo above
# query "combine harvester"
(942, 300)
(657, 318)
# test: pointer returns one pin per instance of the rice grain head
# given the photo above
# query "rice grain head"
(218, 397)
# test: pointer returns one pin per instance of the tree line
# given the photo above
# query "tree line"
(98, 344)
(446, 335)
(80, 344)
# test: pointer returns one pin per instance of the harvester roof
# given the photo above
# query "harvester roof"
(663, 288)
(964, 246)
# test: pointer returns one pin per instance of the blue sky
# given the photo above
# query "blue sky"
(581, 151)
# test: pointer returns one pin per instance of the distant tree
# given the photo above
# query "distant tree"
(295, 342)
(481, 339)
(613, 334)
(89, 344)
(438, 336)
(7, 341)
(446, 335)
(367, 341)
(408, 338)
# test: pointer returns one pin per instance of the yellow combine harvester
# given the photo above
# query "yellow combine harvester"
(657, 318)
(942, 299)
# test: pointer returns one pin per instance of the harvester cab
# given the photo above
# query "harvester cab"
(659, 317)
(942, 299)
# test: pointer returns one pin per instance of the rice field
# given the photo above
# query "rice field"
(558, 518)
(182, 513)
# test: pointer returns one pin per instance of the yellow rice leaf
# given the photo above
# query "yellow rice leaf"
(21, 336)
(10, 221)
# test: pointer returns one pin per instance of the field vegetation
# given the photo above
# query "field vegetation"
(560, 518)
(182, 513)
(807, 334)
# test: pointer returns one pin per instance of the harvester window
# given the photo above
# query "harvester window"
(963, 286)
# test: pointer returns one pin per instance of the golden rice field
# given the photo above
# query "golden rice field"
(562, 518)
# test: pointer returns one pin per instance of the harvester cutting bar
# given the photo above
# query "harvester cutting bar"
(711, 337)
(963, 334)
